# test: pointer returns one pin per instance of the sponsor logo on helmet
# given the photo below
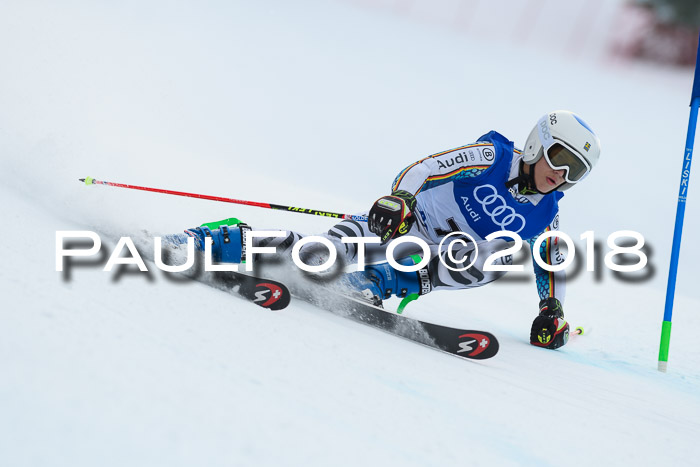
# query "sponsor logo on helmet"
(587, 146)
(496, 207)
(488, 154)
(545, 130)
(553, 119)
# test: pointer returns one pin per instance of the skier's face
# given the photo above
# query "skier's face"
(546, 178)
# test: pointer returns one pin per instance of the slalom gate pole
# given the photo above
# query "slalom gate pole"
(279, 207)
(680, 213)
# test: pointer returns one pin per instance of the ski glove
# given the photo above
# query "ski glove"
(392, 216)
(550, 329)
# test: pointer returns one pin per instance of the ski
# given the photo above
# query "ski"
(463, 343)
(264, 292)
(273, 295)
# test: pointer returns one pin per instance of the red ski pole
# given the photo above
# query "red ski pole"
(280, 207)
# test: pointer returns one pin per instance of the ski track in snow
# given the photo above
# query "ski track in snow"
(133, 368)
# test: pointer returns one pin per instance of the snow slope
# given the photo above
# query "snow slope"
(316, 104)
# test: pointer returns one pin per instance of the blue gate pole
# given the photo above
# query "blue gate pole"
(680, 213)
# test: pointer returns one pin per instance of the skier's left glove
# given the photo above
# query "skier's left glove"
(392, 216)
(550, 329)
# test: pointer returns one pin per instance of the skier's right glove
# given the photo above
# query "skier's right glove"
(550, 329)
(392, 216)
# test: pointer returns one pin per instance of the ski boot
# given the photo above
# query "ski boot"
(228, 239)
(380, 281)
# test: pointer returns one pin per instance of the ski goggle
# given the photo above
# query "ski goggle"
(559, 156)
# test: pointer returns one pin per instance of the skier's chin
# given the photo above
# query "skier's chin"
(550, 185)
(549, 189)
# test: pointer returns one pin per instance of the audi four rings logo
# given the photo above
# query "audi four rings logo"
(495, 206)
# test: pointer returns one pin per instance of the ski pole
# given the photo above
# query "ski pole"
(680, 213)
(313, 212)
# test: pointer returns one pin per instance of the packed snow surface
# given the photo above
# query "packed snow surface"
(319, 105)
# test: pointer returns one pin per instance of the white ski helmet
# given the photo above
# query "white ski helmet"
(567, 142)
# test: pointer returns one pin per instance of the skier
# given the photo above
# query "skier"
(477, 189)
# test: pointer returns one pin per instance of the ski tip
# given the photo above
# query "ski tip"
(479, 344)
